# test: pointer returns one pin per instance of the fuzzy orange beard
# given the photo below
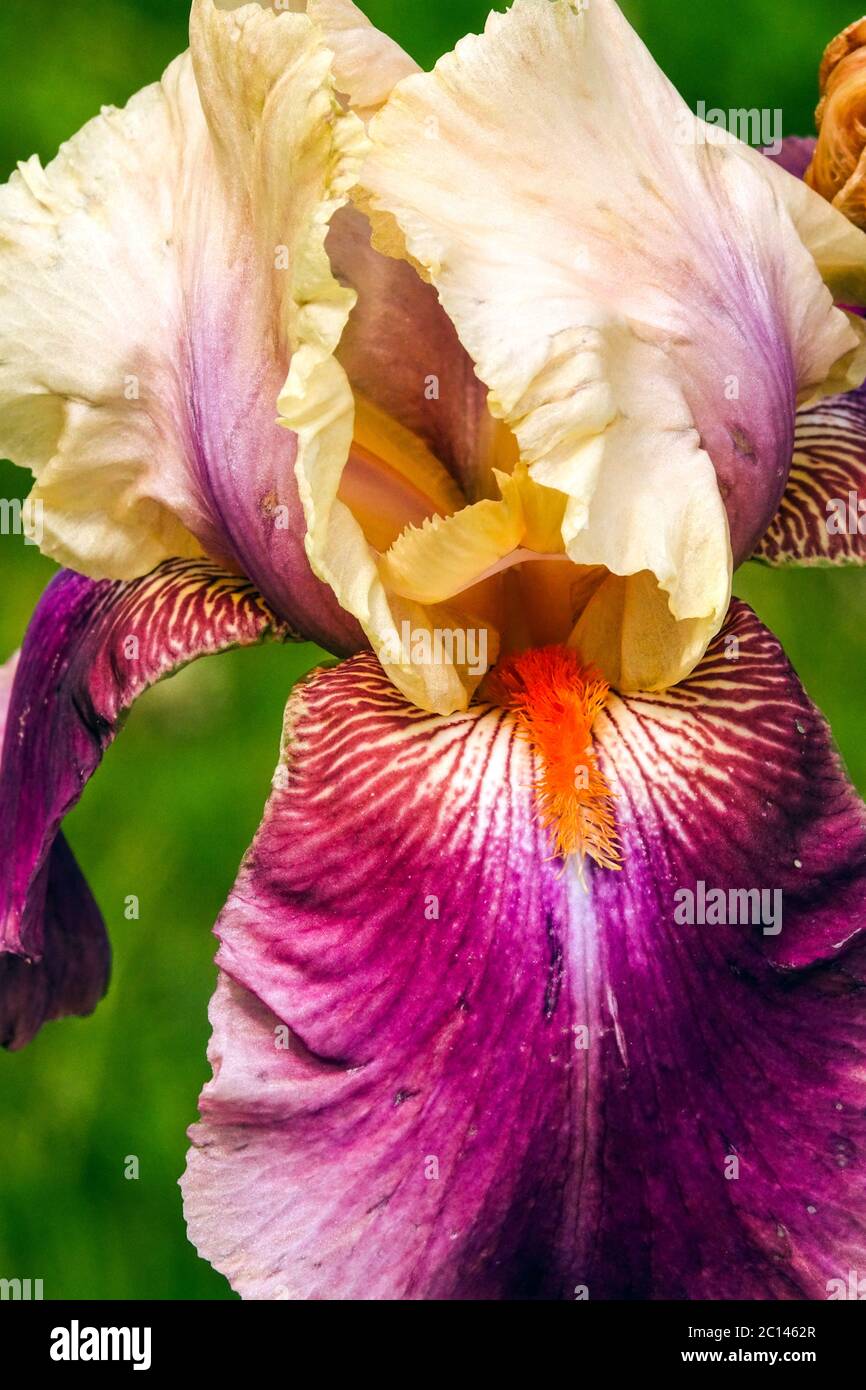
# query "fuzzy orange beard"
(556, 702)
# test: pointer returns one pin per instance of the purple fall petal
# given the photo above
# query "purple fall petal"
(92, 647)
(820, 516)
(827, 480)
(443, 1069)
(420, 1044)
(74, 974)
(738, 1079)
(734, 773)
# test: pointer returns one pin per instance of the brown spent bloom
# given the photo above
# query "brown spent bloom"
(838, 167)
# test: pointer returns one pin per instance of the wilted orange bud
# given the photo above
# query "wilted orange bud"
(838, 167)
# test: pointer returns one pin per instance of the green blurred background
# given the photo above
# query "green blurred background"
(179, 797)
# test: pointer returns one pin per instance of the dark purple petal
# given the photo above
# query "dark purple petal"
(444, 1069)
(92, 647)
(73, 976)
(824, 505)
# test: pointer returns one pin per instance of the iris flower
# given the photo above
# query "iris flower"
(484, 379)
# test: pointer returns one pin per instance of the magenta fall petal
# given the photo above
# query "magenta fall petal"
(820, 520)
(437, 1057)
(73, 976)
(92, 647)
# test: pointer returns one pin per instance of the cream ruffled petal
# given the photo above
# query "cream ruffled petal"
(645, 306)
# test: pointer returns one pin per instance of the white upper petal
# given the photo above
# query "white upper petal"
(156, 280)
(639, 301)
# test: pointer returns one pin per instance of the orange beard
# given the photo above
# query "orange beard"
(556, 702)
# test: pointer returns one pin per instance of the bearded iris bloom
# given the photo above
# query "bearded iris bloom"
(307, 343)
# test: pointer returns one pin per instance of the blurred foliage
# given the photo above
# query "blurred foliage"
(179, 797)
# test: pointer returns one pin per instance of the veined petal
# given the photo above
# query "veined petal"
(733, 777)
(818, 521)
(91, 649)
(73, 976)
(425, 1044)
(157, 281)
(822, 516)
(443, 1069)
(644, 309)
